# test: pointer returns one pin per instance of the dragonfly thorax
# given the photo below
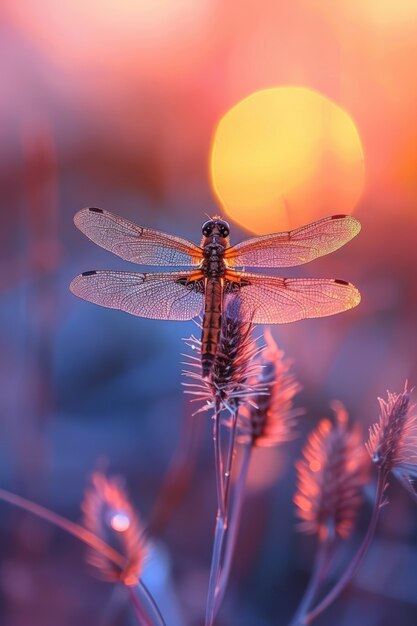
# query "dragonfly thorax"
(213, 265)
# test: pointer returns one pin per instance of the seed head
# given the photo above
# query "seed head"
(270, 419)
(392, 442)
(331, 475)
(233, 366)
(109, 514)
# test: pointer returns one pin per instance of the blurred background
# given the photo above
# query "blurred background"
(141, 107)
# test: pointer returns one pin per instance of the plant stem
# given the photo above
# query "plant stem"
(141, 615)
(89, 538)
(215, 568)
(146, 609)
(230, 457)
(218, 462)
(362, 550)
(77, 531)
(233, 525)
(223, 483)
(219, 528)
(320, 564)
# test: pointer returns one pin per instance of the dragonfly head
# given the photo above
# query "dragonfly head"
(217, 227)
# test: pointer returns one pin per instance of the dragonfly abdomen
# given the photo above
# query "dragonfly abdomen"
(211, 323)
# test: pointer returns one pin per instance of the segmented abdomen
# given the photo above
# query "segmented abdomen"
(211, 322)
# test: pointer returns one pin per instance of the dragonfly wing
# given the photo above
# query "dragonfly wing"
(297, 246)
(162, 296)
(136, 243)
(274, 300)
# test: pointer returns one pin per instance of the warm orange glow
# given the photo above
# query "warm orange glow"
(286, 156)
(386, 12)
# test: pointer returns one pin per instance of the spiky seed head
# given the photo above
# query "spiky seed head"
(270, 419)
(392, 442)
(228, 383)
(108, 513)
(331, 476)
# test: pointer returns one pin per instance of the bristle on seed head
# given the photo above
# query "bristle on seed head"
(392, 442)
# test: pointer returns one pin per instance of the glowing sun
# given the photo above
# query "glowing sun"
(286, 156)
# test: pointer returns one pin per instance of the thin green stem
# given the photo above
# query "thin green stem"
(218, 462)
(350, 571)
(219, 536)
(233, 524)
(140, 613)
(222, 511)
(320, 565)
(145, 606)
(219, 528)
(230, 457)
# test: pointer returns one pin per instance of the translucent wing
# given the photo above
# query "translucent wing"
(273, 300)
(297, 246)
(135, 243)
(168, 296)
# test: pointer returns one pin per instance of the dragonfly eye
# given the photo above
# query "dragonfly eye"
(207, 229)
(224, 232)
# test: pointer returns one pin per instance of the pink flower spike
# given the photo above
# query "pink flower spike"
(392, 443)
(331, 475)
(109, 514)
(271, 418)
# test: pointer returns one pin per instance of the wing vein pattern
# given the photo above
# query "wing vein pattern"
(154, 295)
(274, 300)
(294, 247)
(136, 243)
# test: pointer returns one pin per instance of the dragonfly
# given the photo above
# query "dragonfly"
(216, 273)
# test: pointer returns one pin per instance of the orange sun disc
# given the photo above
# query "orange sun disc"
(284, 157)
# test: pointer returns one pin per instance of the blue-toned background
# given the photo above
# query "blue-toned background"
(114, 105)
